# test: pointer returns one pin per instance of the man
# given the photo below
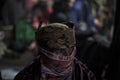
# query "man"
(56, 46)
(81, 12)
(61, 11)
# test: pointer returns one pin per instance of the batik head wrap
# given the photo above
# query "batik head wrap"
(56, 41)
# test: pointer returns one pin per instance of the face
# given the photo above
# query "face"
(55, 61)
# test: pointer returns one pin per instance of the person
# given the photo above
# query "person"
(56, 60)
(13, 10)
(24, 36)
(81, 12)
(61, 11)
(42, 11)
(67, 11)
(23, 30)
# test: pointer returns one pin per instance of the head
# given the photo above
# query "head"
(56, 44)
(71, 3)
(63, 5)
(30, 3)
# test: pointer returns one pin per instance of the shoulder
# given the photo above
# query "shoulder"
(23, 74)
(28, 72)
(85, 70)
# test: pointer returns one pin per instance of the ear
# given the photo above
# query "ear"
(40, 23)
(69, 24)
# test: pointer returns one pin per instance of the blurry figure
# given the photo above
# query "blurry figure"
(22, 12)
(61, 11)
(42, 12)
(81, 12)
(105, 17)
(77, 11)
(23, 36)
(13, 10)
(50, 5)
(57, 56)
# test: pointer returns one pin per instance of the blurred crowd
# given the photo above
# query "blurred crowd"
(25, 15)
(19, 19)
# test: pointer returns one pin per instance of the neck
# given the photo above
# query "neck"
(55, 71)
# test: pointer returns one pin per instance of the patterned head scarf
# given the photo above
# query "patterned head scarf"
(56, 38)
(56, 41)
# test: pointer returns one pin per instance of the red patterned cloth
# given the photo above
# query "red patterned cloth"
(34, 72)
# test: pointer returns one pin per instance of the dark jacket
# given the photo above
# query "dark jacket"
(33, 72)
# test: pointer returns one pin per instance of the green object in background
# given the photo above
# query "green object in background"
(23, 30)
(24, 35)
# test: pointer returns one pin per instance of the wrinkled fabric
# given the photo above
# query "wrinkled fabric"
(58, 56)
(55, 36)
(56, 73)
(34, 72)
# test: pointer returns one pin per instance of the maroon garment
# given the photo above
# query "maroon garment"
(33, 72)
